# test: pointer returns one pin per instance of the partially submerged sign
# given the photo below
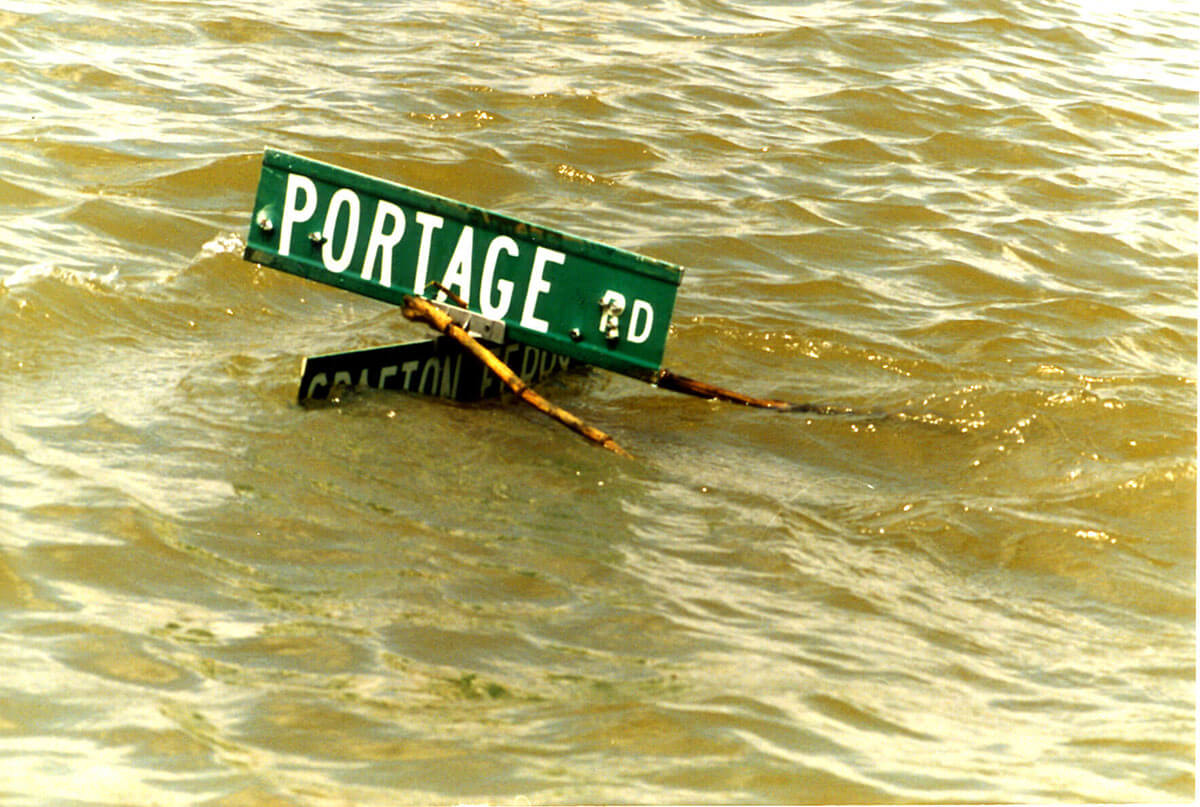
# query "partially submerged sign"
(572, 297)
(547, 297)
(428, 366)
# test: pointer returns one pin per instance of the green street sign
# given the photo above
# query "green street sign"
(576, 298)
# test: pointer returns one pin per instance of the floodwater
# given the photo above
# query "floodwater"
(972, 222)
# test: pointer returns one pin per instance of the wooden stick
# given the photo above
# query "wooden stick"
(665, 379)
(454, 298)
(420, 310)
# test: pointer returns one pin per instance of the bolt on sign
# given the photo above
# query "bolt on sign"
(555, 292)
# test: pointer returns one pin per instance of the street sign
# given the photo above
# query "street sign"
(572, 297)
(431, 366)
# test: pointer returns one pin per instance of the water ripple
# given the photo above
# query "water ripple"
(974, 224)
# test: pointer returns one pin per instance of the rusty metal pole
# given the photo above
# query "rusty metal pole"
(665, 379)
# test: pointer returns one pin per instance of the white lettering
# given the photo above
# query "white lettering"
(429, 223)
(431, 373)
(449, 388)
(615, 298)
(537, 287)
(458, 271)
(409, 367)
(319, 380)
(343, 197)
(634, 335)
(293, 214)
(486, 382)
(343, 377)
(501, 243)
(385, 373)
(381, 243)
(529, 364)
(612, 306)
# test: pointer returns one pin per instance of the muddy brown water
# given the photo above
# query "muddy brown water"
(978, 219)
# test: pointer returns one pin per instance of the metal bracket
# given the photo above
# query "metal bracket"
(479, 326)
(612, 306)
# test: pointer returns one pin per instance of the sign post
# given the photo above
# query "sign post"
(555, 292)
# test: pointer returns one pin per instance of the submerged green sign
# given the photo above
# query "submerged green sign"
(573, 297)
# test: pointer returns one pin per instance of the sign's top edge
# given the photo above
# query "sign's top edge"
(472, 214)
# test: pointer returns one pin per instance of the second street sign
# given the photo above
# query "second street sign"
(430, 366)
(573, 297)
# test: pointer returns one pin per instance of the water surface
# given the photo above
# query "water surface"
(974, 222)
